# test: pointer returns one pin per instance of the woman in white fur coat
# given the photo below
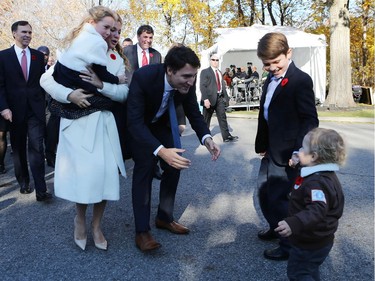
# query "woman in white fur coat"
(89, 156)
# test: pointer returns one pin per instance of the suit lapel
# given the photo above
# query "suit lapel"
(33, 65)
(151, 55)
(264, 90)
(14, 61)
(279, 87)
(135, 56)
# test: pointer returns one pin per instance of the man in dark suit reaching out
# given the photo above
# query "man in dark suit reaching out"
(154, 90)
(22, 102)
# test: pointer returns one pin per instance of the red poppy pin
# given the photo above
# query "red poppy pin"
(33, 57)
(284, 82)
(151, 55)
(298, 182)
(113, 56)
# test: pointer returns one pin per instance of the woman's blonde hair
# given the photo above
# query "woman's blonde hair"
(96, 14)
(328, 145)
(118, 48)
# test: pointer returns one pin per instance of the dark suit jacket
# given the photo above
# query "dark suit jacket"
(144, 100)
(208, 86)
(291, 114)
(131, 53)
(15, 92)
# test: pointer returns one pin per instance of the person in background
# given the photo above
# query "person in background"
(249, 69)
(287, 112)
(242, 74)
(89, 153)
(316, 204)
(232, 71)
(127, 42)
(22, 103)
(53, 121)
(214, 97)
(227, 78)
(51, 61)
(142, 54)
(4, 128)
(255, 73)
(154, 92)
(45, 51)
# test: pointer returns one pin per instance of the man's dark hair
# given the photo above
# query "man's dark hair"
(19, 23)
(44, 50)
(128, 40)
(145, 28)
(178, 56)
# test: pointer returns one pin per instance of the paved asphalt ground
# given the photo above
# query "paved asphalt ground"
(216, 200)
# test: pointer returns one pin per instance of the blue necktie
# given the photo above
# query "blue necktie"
(173, 120)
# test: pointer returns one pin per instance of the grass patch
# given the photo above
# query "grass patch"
(365, 111)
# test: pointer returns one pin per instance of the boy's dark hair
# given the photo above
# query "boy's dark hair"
(272, 45)
(145, 28)
(178, 56)
(19, 23)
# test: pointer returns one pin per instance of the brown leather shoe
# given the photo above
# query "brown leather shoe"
(173, 226)
(145, 242)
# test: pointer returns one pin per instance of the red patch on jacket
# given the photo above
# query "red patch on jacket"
(284, 82)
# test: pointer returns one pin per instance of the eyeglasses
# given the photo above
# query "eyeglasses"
(214, 60)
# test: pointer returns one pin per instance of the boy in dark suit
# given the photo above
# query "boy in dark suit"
(287, 112)
(154, 91)
(22, 102)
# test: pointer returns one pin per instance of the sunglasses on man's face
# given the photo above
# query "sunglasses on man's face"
(214, 60)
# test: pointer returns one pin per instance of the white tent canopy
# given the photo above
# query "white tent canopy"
(238, 46)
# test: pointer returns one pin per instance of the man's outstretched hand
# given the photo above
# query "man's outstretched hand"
(172, 157)
(213, 148)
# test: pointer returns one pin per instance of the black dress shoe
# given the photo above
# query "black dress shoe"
(231, 138)
(276, 254)
(26, 189)
(43, 196)
(267, 235)
(2, 169)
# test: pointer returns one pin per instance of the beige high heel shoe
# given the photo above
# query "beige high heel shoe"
(79, 242)
(100, 245)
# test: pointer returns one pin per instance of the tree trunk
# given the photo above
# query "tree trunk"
(240, 13)
(340, 80)
(269, 9)
(365, 17)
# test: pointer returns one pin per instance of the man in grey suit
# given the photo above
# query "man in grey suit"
(142, 54)
(214, 97)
